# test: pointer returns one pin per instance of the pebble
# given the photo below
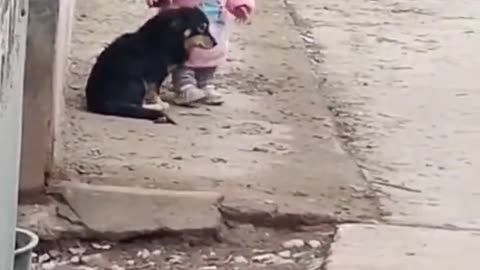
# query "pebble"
(77, 251)
(211, 267)
(294, 243)
(75, 260)
(54, 253)
(131, 262)
(315, 244)
(43, 258)
(240, 260)
(300, 255)
(157, 252)
(49, 265)
(116, 267)
(285, 254)
(101, 247)
(263, 258)
(258, 251)
(271, 259)
(175, 259)
(144, 254)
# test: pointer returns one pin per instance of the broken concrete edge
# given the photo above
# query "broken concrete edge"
(62, 188)
(59, 221)
(275, 219)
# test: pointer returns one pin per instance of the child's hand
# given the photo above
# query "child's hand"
(158, 3)
(242, 13)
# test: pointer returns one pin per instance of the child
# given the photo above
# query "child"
(194, 81)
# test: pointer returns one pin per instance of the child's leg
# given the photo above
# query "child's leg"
(205, 81)
(185, 86)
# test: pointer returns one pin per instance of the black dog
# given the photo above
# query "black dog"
(134, 66)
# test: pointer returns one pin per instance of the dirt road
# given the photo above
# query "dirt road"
(402, 81)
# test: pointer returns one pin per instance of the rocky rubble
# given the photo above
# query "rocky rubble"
(294, 253)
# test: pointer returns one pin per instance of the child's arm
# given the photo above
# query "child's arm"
(234, 4)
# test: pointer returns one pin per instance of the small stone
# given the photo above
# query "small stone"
(101, 247)
(49, 265)
(270, 202)
(157, 252)
(211, 267)
(300, 255)
(77, 251)
(258, 251)
(75, 260)
(54, 253)
(43, 258)
(271, 259)
(263, 258)
(131, 262)
(144, 254)
(175, 259)
(315, 244)
(285, 254)
(116, 267)
(294, 243)
(240, 260)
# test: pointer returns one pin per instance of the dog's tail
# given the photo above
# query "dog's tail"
(135, 111)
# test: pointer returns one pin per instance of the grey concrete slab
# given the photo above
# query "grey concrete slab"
(372, 247)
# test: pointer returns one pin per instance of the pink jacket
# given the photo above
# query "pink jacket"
(218, 18)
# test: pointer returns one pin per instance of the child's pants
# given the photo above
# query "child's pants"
(199, 77)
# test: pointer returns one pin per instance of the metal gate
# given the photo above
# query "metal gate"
(13, 32)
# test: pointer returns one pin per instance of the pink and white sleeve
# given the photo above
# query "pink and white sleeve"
(232, 4)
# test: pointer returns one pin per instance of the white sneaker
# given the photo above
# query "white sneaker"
(189, 94)
(213, 97)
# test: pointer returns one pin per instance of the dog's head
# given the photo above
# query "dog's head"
(190, 26)
(194, 26)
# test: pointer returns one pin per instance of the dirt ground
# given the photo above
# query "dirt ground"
(271, 148)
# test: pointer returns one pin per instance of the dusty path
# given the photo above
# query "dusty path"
(271, 149)
(402, 78)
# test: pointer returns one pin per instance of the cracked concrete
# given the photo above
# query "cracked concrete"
(271, 150)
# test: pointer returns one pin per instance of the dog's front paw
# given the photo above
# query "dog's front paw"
(157, 106)
(164, 105)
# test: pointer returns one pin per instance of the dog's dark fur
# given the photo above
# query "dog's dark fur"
(136, 63)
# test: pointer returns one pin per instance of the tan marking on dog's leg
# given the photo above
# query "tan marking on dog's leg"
(151, 93)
